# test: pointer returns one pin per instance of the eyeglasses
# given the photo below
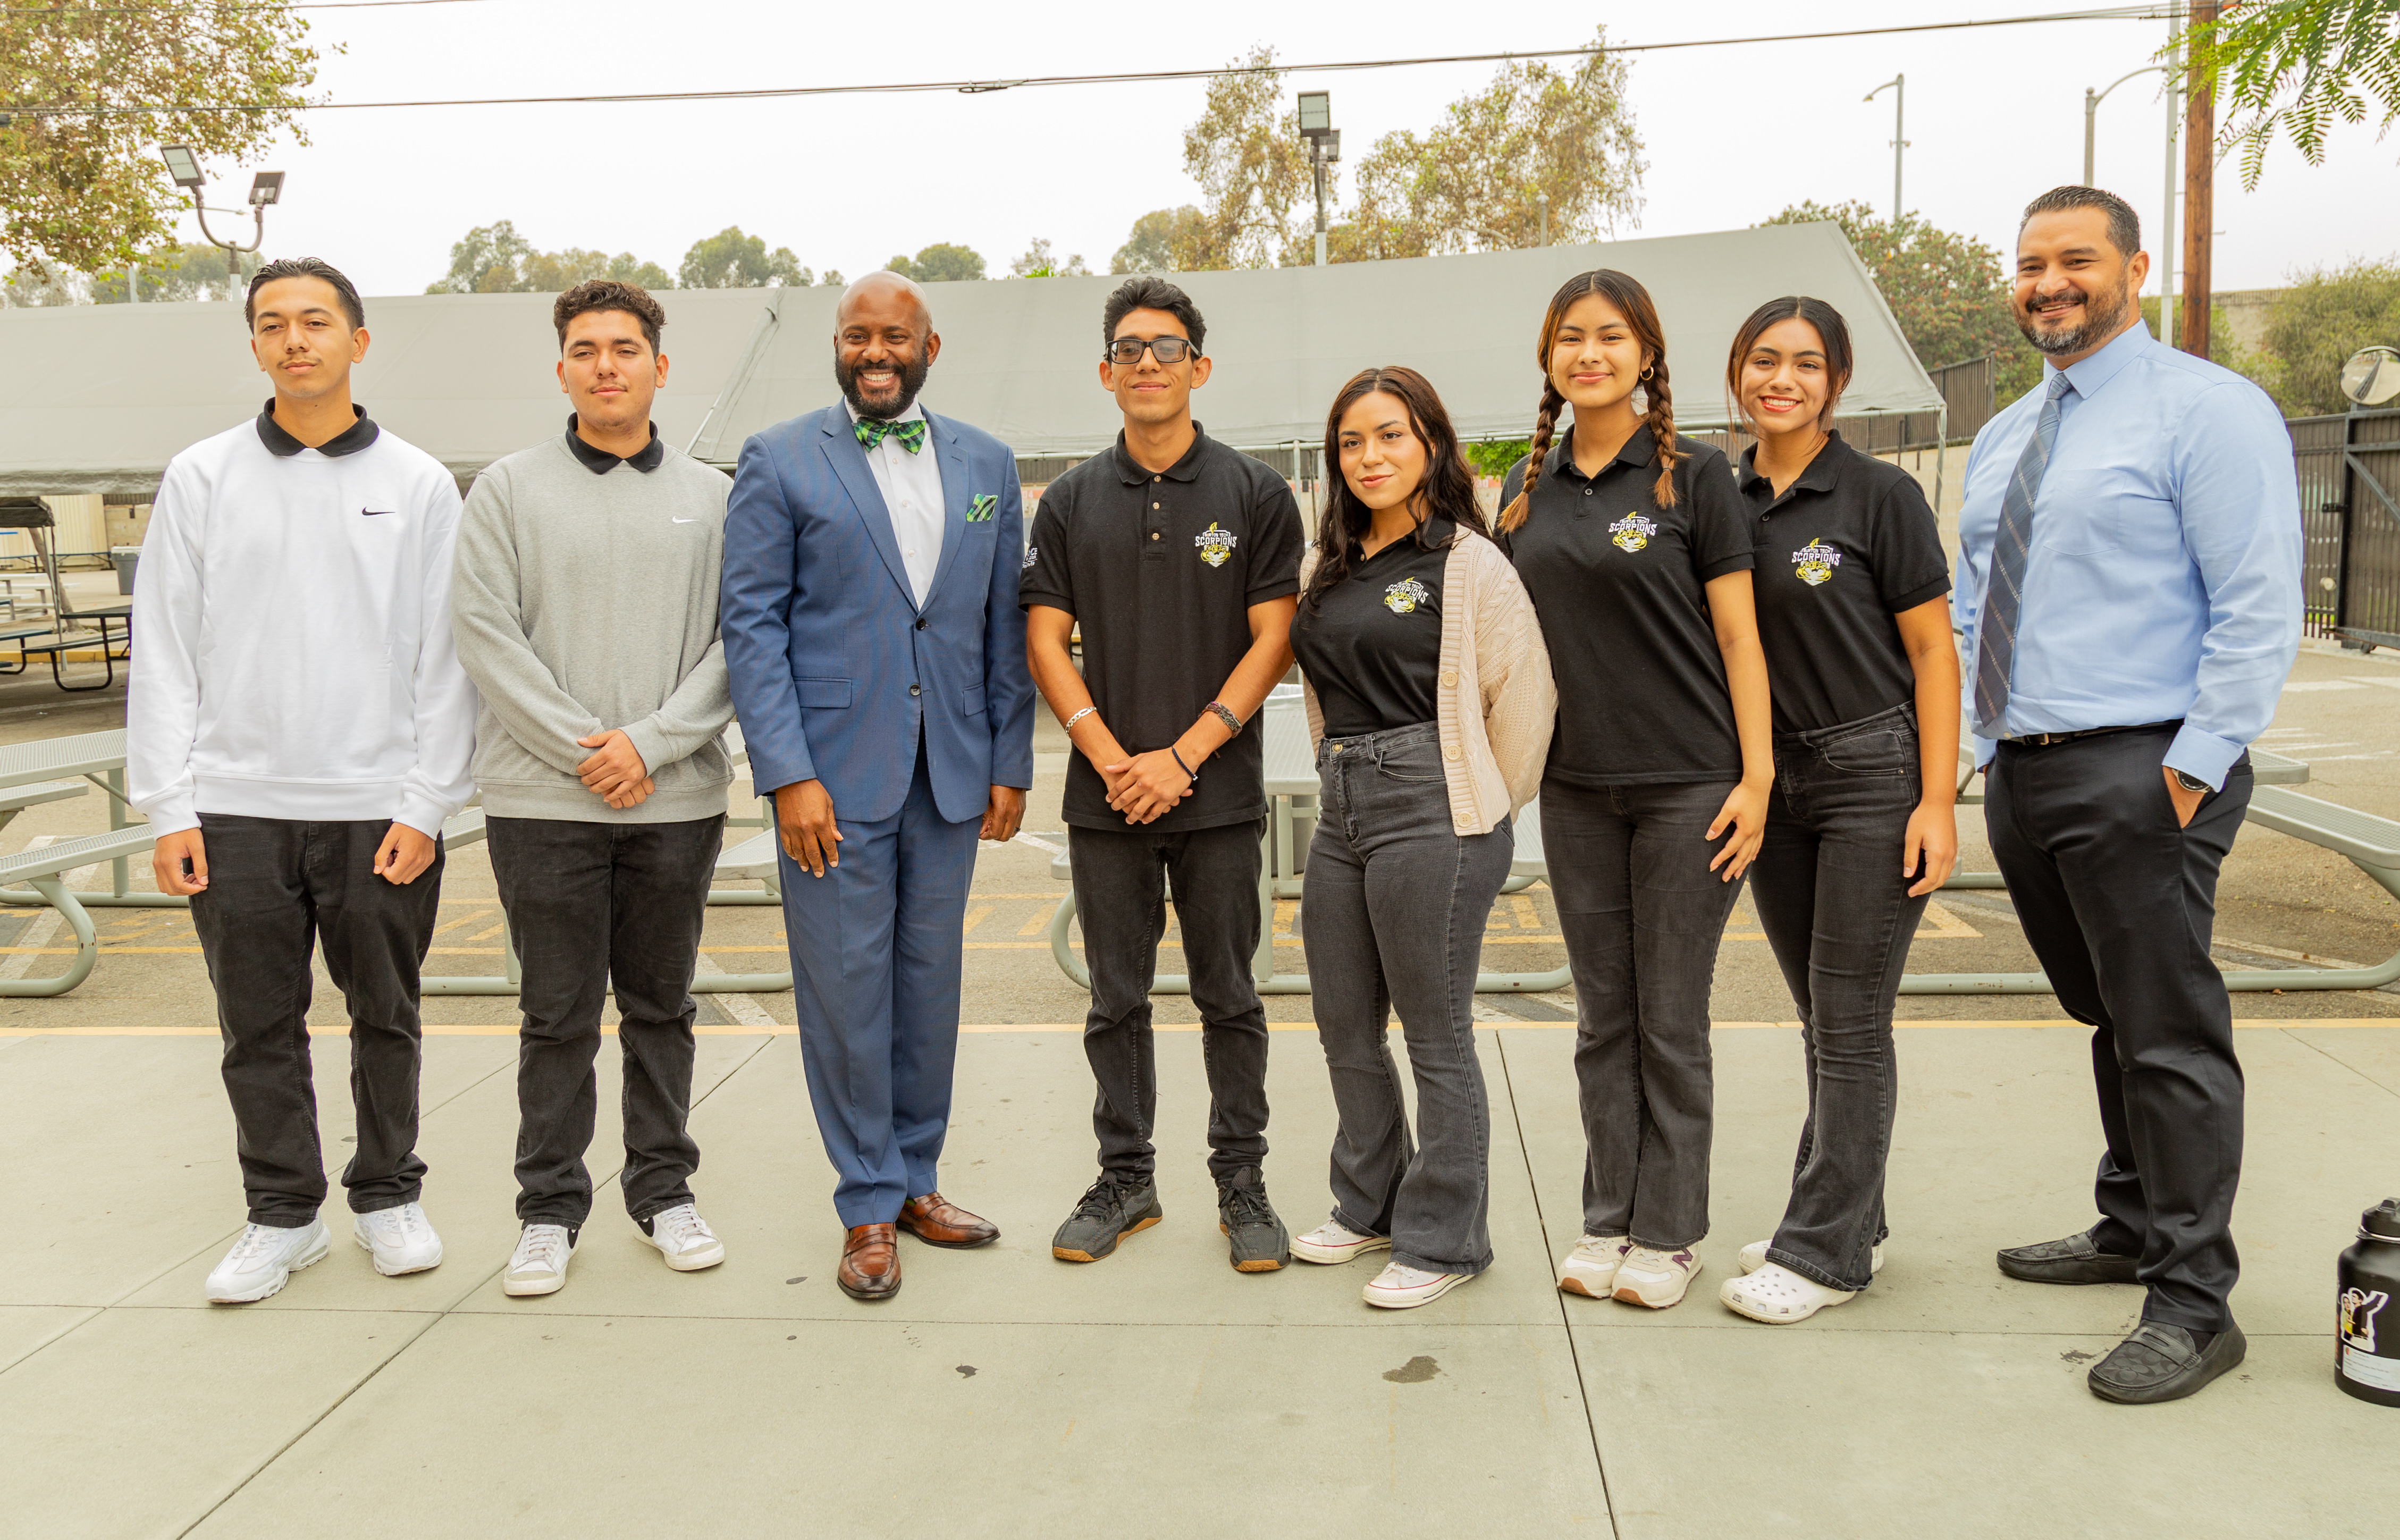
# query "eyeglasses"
(1165, 349)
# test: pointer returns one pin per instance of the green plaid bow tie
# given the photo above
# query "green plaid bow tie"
(874, 430)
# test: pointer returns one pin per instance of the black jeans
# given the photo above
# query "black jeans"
(1395, 905)
(1120, 899)
(589, 905)
(2117, 904)
(1642, 914)
(1836, 910)
(276, 886)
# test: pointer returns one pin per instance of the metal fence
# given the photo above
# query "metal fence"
(2349, 469)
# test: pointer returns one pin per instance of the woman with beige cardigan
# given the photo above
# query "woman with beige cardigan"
(1429, 698)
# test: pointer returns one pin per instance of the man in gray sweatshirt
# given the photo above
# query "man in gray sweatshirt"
(585, 607)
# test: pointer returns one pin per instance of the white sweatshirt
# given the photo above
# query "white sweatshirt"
(292, 622)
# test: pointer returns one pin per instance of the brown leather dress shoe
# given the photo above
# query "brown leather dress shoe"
(938, 1221)
(870, 1263)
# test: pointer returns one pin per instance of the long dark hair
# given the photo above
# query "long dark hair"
(1632, 302)
(1832, 330)
(1447, 489)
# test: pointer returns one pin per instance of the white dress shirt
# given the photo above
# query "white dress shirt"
(911, 486)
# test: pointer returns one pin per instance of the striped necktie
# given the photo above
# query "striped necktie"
(1996, 647)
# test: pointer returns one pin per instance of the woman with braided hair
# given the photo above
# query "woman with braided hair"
(1635, 545)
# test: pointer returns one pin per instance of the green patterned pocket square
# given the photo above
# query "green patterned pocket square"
(980, 510)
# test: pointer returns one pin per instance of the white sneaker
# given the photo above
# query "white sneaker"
(264, 1259)
(684, 1238)
(1754, 1256)
(1590, 1268)
(1397, 1288)
(538, 1264)
(1776, 1295)
(1335, 1242)
(401, 1240)
(1654, 1278)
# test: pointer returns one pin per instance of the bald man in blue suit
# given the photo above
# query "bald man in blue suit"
(878, 661)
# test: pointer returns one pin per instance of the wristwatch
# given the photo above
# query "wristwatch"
(2190, 783)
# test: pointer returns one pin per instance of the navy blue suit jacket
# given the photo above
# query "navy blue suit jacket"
(836, 670)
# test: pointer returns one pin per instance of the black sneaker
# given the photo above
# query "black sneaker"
(1260, 1244)
(1114, 1208)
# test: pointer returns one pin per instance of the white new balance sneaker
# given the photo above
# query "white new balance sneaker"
(1754, 1256)
(538, 1264)
(1590, 1268)
(264, 1259)
(1334, 1242)
(401, 1240)
(684, 1238)
(1654, 1278)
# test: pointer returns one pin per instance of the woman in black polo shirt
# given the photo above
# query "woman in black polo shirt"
(1853, 608)
(1634, 545)
(1429, 697)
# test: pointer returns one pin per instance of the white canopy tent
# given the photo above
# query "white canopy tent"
(99, 397)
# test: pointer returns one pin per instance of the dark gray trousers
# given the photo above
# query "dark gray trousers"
(1394, 909)
(2117, 904)
(1836, 911)
(1121, 885)
(591, 906)
(276, 887)
(1642, 914)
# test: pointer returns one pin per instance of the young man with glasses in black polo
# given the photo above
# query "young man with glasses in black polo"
(1180, 560)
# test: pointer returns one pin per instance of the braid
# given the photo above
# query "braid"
(1661, 418)
(1545, 422)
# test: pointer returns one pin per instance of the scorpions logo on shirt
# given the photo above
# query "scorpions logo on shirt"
(1814, 563)
(1632, 532)
(1029, 551)
(1403, 597)
(1215, 544)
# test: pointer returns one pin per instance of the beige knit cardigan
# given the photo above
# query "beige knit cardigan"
(1493, 661)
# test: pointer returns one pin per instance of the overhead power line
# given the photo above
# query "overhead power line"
(2155, 11)
(224, 4)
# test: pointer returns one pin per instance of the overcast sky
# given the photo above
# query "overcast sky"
(1731, 133)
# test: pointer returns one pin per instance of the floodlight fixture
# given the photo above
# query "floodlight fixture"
(1315, 114)
(183, 166)
(266, 188)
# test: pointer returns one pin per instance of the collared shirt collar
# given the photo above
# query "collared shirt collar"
(915, 412)
(1640, 450)
(600, 462)
(1130, 472)
(1819, 476)
(2088, 376)
(349, 440)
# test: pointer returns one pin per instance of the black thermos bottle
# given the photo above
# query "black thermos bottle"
(2367, 1341)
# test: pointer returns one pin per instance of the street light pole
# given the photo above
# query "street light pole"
(1898, 86)
(266, 188)
(2091, 100)
(2167, 225)
(1324, 150)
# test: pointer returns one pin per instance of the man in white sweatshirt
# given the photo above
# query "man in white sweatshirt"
(587, 619)
(298, 729)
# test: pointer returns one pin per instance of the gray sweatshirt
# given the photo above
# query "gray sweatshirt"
(586, 601)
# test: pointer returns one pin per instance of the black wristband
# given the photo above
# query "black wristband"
(1188, 770)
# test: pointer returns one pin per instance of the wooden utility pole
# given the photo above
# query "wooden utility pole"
(2199, 175)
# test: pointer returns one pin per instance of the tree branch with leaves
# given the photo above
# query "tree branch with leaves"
(2295, 68)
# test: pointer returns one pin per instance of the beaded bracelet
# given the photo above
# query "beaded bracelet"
(1225, 713)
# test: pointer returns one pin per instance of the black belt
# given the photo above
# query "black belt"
(2050, 740)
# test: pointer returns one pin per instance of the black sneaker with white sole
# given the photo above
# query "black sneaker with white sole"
(1259, 1240)
(1113, 1209)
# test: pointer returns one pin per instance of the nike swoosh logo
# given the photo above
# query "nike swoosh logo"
(683, 521)
(374, 512)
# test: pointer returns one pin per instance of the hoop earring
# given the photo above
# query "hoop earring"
(1648, 369)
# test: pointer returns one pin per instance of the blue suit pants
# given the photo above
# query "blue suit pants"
(875, 946)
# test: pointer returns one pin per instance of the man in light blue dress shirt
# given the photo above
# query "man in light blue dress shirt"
(2129, 586)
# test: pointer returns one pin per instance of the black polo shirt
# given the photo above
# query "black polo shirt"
(349, 440)
(1160, 571)
(600, 462)
(1849, 544)
(1372, 649)
(1617, 582)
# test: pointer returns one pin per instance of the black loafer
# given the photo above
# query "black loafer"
(2075, 1259)
(2157, 1364)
